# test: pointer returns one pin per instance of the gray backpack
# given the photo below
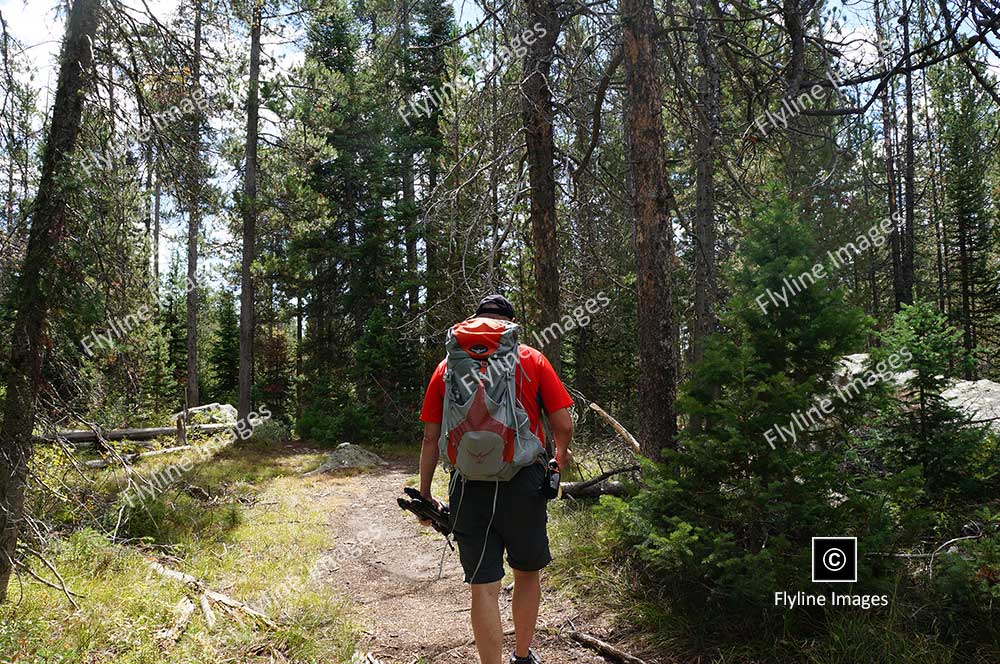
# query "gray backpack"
(485, 433)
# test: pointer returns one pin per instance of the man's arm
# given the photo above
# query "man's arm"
(561, 423)
(429, 456)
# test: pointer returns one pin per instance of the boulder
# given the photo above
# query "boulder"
(214, 413)
(978, 399)
(348, 456)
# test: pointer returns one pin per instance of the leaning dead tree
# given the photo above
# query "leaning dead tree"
(49, 225)
(603, 484)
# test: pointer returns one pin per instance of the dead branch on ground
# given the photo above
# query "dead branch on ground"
(604, 648)
(199, 590)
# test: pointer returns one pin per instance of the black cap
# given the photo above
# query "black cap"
(496, 305)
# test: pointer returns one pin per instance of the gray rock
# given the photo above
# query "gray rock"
(978, 399)
(217, 413)
(348, 456)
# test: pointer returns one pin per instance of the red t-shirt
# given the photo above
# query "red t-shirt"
(539, 379)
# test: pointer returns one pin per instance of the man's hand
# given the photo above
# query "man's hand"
(564, 457)
(434, 501)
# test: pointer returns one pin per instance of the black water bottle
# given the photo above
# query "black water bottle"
(550, 489)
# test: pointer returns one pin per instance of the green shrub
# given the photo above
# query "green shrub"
(726, 519)
(923, 430)
(271, 433)
(729, 516)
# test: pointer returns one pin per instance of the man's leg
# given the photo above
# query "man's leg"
(486, 622)
(527, 597)
(523, 527)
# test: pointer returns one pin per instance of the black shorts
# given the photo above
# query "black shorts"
(518, 524)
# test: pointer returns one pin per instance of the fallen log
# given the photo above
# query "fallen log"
(619, 429)
(75, 438)
(606, 649)
(88, 445)
(104, 463)
(199, 589)
(610, 488)
(600, 485)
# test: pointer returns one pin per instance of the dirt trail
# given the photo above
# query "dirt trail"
(388, 566)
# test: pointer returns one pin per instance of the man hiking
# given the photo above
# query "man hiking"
(482, 416)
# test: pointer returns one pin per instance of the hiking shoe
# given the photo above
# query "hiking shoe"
(532, 658)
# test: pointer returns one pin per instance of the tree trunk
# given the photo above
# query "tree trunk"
(299, 316)
(873, 310)
(707, 131)
(965, 275)
(148, 195)
(157, 195)
(411, 235)
(410, 228)
(792, 14)
(653, 232)
(249, 223)
(939, 242)
(434, 257)
(890, 170)
(48, 231)
(585, 217)
(908, 241)
(194, 224)
(537, 115)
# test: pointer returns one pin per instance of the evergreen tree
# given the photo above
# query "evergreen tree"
(968, 219)
(275, 370)
(728, 517)
(224, 355)
(356, 260)
(174, 321)
(924, 431)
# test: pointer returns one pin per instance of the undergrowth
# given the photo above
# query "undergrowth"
(243, 522)
(592, 566)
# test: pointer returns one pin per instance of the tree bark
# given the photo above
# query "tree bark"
(48, 232)
(908, 240)
(249, 223)
(606, 649)
(194, 225)
(653, 231)
(410, 227)
(586, 114)
(940, 243)
(537, 115)
(157, 195)
(299, 318)
(873, 310)
(895, 248)
(965, 275)
(792, 14)
(707, 130)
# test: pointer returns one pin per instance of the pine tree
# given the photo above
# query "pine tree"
(728, 517)
(174, 321)
(224, 355)
(923, 430)
(159, 392)
(968, 223)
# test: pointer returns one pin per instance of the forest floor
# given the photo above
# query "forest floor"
(329, 558)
